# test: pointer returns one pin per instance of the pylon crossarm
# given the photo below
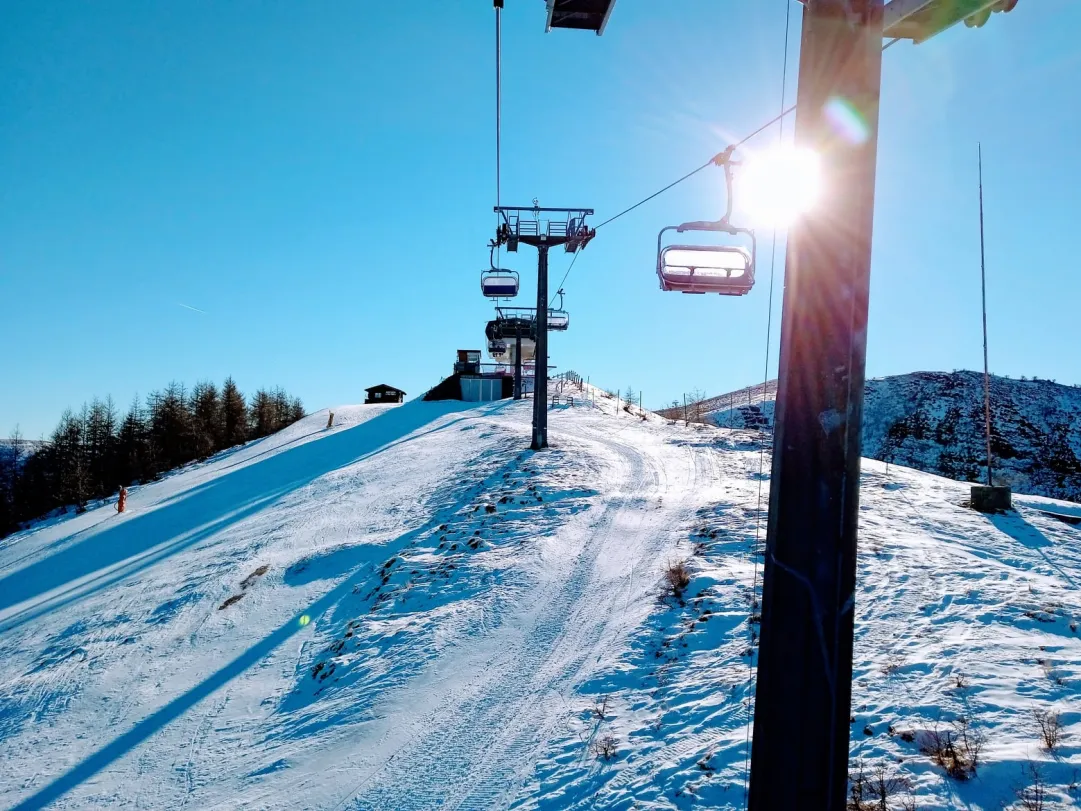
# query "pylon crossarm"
(919, 20)
(537, 225)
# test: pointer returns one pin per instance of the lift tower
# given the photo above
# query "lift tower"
(543, 228)
(799, 757)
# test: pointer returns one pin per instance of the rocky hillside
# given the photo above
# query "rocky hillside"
(933, 421)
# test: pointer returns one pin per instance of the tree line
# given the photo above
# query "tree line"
(90, 454)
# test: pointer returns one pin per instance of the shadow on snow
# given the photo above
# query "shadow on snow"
(153, 536)
(129, 546)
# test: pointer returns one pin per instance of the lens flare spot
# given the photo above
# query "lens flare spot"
(304, 620)
(847, 121)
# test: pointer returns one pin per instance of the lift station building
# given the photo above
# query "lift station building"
(471, 381)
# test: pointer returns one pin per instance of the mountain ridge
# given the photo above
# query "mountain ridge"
(934, 422)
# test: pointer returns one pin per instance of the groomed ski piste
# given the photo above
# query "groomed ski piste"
(411, 611)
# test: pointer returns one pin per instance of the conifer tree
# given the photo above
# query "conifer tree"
(70, 462)
(10, 465)
(261, 419)
(100, 434)
(171, 431)
(234, 415)
(91, 453)
(206, 419)
(132, 447)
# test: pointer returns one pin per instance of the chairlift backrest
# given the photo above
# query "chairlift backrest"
(499, 283)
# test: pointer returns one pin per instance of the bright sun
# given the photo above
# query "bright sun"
(777, 186)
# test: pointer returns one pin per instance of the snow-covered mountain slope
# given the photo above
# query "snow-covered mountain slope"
(934, 421)
(410, 611)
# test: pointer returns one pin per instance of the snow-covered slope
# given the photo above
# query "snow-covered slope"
(410, 611)
(934, 421)
(751, 407)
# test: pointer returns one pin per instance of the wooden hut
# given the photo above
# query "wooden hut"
(377, 395)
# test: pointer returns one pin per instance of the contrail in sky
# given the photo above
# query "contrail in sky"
(189, 307)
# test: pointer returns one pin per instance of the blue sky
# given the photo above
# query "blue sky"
(318, 178)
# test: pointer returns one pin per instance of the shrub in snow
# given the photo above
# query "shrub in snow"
(676, 579)
(1032, 797)
(957, 750)
(881, 790)
(605, 747)
(601, 709)
(1049, 726)
(894, 662)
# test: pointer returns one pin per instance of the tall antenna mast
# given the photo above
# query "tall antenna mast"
(498, 90)
(983, 294)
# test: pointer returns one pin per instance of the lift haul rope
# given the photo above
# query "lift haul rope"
(762, 449)
(570, 267)
(498, 4)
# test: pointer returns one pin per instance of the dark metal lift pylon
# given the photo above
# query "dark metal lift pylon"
(536, 226)
(799, 755)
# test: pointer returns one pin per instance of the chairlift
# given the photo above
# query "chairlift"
(529, 351)
(504, 331)
(558, 319)
(727, 270)
(498, 282)
(724, 269)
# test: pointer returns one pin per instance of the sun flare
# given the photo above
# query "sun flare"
(777, 186)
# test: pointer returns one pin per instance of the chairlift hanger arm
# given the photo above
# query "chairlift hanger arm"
(724, 160)
(492, 245)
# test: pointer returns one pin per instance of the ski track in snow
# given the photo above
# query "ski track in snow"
(447, 621)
